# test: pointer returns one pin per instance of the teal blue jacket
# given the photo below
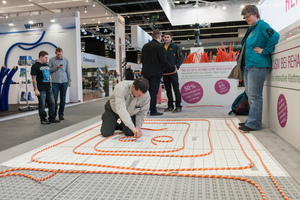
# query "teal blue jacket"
(262, 36)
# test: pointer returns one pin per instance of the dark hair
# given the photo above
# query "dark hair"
(58, 49)
(168, 33)
(156, 34)
(43, 53)
(250, 9)
(141, 84)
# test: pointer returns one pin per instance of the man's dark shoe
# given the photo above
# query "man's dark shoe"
(242, 124)
(168, 109)
(119, 127)
(54, 121)
(177, 109)
(156, 113)
(246, 129)
(61, 118)
(45, 122)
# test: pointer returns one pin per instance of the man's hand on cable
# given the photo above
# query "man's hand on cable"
(136, 132)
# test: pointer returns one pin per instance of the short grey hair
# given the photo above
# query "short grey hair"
(250, 9)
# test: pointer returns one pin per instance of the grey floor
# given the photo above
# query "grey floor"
(22, 134)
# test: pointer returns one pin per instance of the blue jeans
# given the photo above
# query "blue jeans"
(254, 79)
(60, 88)
(46, 96)
(154, 82)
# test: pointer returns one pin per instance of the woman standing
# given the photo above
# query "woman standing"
(259, 42)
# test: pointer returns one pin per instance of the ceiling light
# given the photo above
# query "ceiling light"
(85, 9)
(242, 6)
(196, 4)
(97, 37)
(31, 21)
(177, 2)
(101, 39)
(105, 12)
(52, 20)
(94, 3)
(97, 28)
(186, 1)
(224, 7)
(82, 30)
(4, 2)
(11, 23)
(84, 33)
(105, 40)
(99, 21)
(93, 35)
(86, 0)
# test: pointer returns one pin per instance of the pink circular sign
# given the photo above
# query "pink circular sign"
(282, 112)
(191, 92)
(222, 87)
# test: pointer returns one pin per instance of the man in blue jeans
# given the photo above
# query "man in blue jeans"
(61, 79)
(41, 80)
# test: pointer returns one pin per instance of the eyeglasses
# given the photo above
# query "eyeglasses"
(247, 16)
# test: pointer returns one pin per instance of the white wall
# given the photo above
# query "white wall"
(281, 116)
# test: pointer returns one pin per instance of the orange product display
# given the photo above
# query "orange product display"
(158, 153)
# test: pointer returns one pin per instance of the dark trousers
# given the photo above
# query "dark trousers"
(46, 96)
(109, 122)
(154, 82)
(60, 88)
(169, 81)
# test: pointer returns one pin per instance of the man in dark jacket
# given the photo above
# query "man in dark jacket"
(175, 57)
(154, 61)
(129, 73)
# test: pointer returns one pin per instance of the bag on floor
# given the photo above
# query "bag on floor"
(240, 106)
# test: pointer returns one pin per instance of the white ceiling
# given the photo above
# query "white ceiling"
(94, 14)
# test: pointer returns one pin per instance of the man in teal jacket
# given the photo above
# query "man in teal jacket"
(259, 42)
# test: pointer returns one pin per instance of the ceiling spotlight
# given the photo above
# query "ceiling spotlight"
(97, 28)
(97, 37)
(52, 20)
(85, 9)
(11, 23)
(242, 6)
(105, 30)
(105, 12)
(84, 33)
(224, 7)
(94, 3)
(86, 0)
(99, 21)
(105, 40)
(82, 30)
(4, 2)
(31, 21)
(93, 35)
(186, 1)
(177, 2)
(196, 4)
(101, 39)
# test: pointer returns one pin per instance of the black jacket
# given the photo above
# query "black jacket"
(174, 56)
(154, 59)
(129, 74)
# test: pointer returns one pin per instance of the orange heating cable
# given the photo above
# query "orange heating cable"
(262, 162)
(143, 173)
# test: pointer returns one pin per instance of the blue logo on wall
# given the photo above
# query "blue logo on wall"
(27, 26)
(35, 25)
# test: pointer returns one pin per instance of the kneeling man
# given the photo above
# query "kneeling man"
(130, 103)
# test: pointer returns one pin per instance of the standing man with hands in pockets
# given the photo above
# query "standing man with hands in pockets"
(175, 57)
(61, 79)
